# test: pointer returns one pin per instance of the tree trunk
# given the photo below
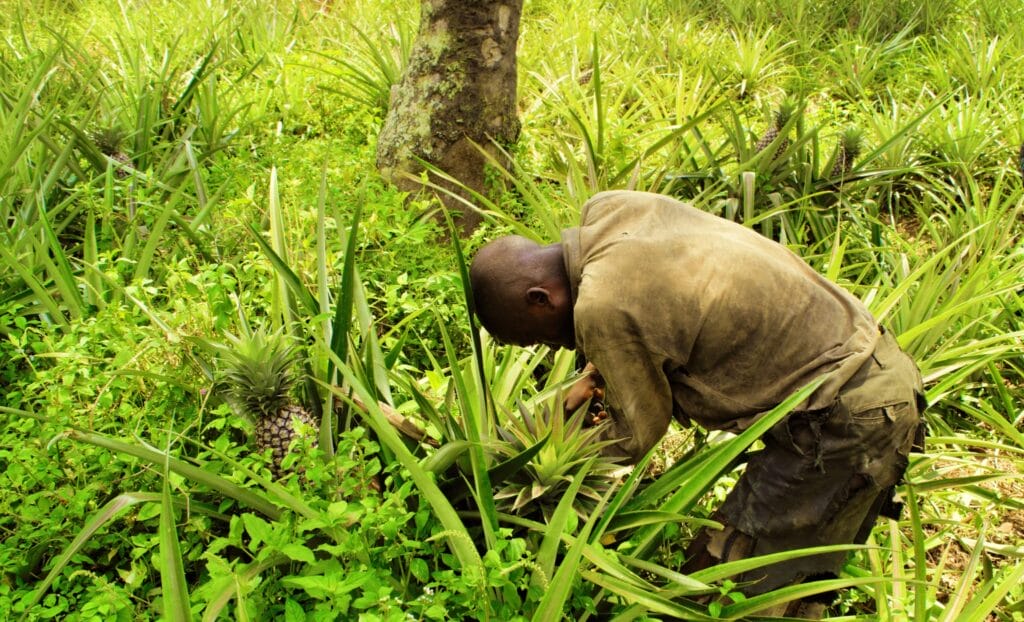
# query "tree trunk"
(459, 89)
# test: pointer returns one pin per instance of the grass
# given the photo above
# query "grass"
(160, 184)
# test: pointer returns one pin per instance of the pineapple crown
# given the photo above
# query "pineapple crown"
(781, 118)
(256, 371)
(567, 445)
(851, 141)
(109, 139)
(784, 114)
(847, 151)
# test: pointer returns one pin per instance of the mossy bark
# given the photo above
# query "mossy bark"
(457, 95)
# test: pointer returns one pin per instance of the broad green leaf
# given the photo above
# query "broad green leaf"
(754, 604)
(722, 571)
(172, 568)
(157, 458)
(632, 520)
(445, 456)
(651, 601)
(233, 585)
(298, 552)
(548, 551)
(258, 529)
(553, 602)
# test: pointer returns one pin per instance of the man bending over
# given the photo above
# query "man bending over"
(682, 314)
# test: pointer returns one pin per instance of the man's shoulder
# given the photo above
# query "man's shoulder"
(601, 315)
(628, 204)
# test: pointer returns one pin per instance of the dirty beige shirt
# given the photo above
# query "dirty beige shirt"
(689, 315)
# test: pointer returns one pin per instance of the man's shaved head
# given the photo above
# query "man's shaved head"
(521, 292)
(500, 270)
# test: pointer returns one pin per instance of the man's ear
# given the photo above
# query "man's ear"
(538, 296)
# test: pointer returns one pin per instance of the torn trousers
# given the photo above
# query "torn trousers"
(824, 477)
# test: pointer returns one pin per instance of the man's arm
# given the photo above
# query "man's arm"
(590, 386)
(638, 397)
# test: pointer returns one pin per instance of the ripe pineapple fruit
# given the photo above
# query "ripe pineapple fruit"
(782, 117)
(256, 377)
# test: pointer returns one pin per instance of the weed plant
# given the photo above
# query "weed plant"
(171, 171)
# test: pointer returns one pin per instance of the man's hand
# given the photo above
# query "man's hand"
(595, 415)
(589, 387)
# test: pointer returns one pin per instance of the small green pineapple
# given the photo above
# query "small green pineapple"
(110, 142)
(782, 117)
(846, 153)
(257, 377)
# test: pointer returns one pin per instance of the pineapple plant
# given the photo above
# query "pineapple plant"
(849, 148)
(571, 441)
(256, 376)
(782, 117)
(110, 142)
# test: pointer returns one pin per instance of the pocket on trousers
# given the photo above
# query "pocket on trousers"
(884, 412)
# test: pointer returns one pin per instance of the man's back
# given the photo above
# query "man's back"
(734, 321)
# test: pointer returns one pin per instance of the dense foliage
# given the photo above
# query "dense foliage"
(175, 173)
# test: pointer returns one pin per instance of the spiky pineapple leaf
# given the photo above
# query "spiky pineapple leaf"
(457, 489)
(255, 370)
